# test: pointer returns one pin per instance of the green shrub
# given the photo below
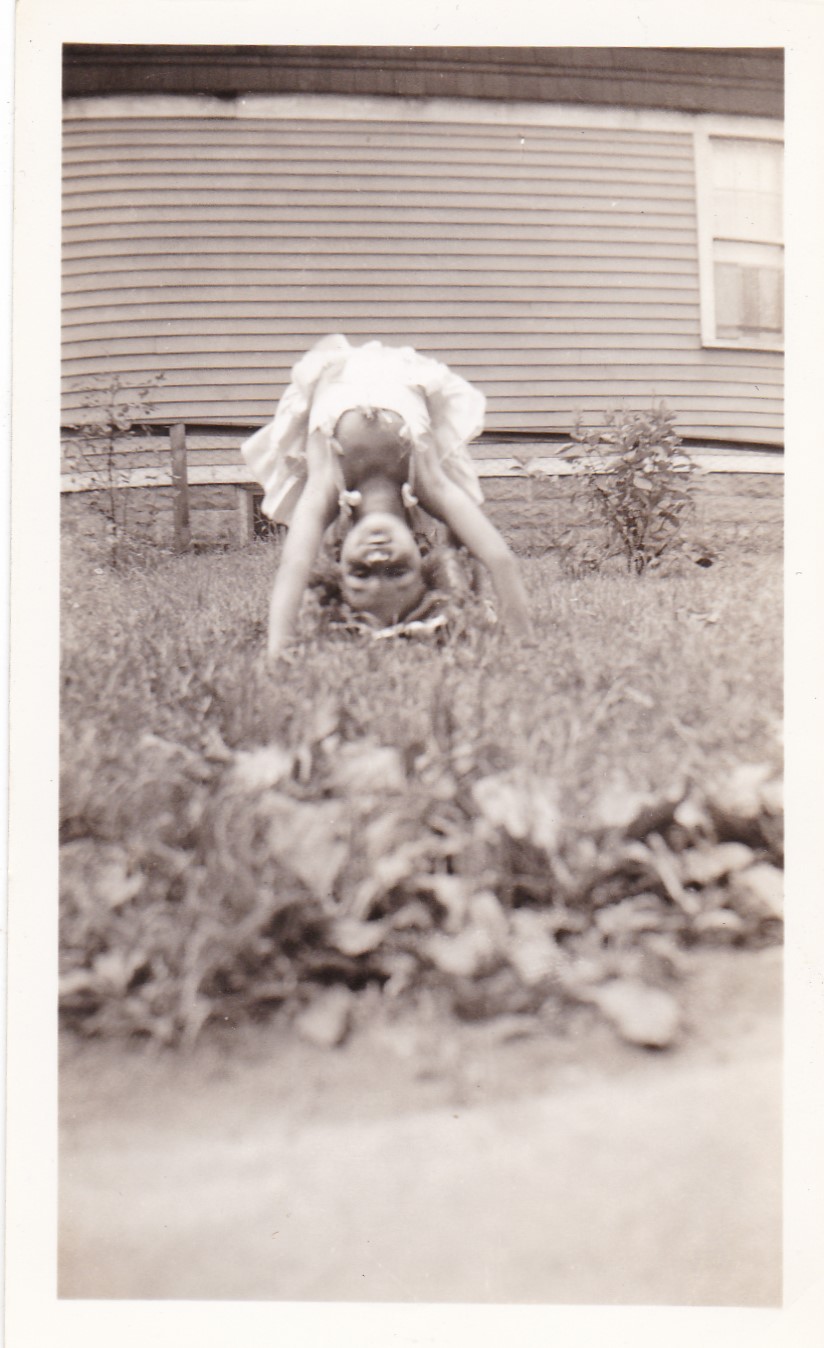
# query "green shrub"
(638, 484)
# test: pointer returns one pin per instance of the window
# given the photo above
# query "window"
(741, 247)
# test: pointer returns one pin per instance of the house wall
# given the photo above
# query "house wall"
(733, 511)
(220, 515)
(744, 512)
(739, 496)
(547, 253)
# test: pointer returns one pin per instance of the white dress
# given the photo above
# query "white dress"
(335, 377)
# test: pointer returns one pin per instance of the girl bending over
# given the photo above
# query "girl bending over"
(364, 435)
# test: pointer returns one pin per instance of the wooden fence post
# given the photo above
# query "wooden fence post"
(180, 488)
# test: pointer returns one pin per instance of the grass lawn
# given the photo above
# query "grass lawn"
(234, 834)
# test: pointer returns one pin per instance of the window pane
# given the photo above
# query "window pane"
(747, 189)
(749, 300)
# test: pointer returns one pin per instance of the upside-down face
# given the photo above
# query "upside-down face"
(381, 570)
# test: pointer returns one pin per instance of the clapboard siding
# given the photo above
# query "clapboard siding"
(555, 267)
(253, 138)
(645, 369)
(88, 258)
(560, 275)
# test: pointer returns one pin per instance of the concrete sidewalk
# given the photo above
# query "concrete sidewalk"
(660, 1185)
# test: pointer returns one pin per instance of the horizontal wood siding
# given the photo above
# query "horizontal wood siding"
(556, 267)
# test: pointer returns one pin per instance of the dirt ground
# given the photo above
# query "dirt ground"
(427, 1161)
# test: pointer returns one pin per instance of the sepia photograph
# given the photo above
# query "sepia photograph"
(420, 676)
(421, 768)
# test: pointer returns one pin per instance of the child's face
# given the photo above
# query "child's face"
(381, 568)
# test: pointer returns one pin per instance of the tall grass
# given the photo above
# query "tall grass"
(646, 677)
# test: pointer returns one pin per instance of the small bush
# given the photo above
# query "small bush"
(111, 409)
(638, 484)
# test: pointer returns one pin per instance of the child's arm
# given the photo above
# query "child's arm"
(448, 502)
(314, 512)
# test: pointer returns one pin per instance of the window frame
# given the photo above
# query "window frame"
(722, 129)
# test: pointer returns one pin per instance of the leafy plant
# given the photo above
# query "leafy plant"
(338, 864)
(111, 409)
(639, 484)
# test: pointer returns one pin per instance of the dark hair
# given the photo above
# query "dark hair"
(448, 574)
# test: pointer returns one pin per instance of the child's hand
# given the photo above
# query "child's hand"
(280, 653)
